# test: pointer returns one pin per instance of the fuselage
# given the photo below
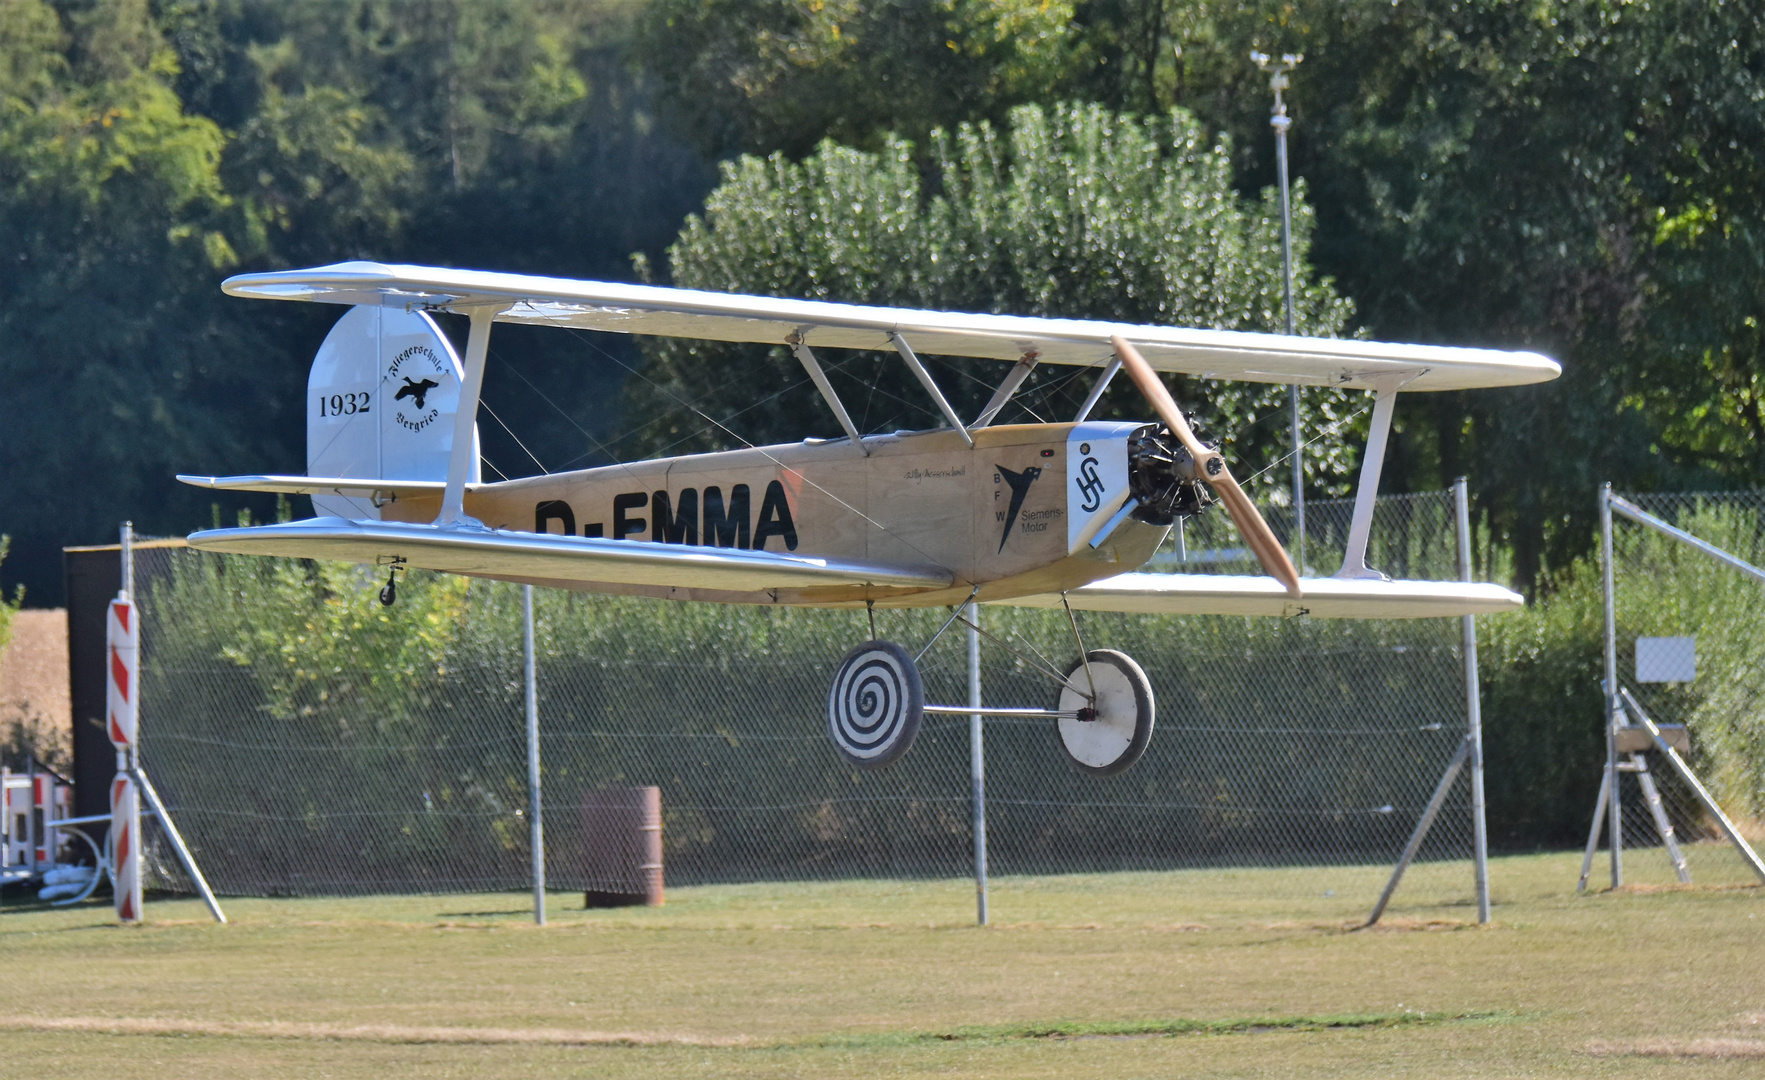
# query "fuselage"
(1015, 514)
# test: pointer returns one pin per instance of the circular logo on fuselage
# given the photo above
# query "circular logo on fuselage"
(414, 375)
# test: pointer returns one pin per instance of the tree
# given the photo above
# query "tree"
(1075, 212)
(1576, 178)
(764, 75)
(147, 150)
(111, 204)
(1696, 160)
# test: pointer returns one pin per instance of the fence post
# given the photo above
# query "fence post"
(535, 824)
(1473, 711)
(977, 764)
(1614, 820)
(122, 633)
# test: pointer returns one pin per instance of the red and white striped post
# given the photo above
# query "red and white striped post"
(123, 637)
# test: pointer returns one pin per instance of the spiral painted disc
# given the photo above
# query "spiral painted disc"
(875, 705)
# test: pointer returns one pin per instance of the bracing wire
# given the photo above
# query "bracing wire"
(513, 436)
(708, 418)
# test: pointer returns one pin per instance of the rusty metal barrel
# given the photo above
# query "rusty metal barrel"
(622, 837)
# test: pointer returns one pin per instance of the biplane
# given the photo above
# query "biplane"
(1043, 514)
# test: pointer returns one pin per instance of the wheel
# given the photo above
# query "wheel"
(1118, 733)
(874, 708)
(389, 594)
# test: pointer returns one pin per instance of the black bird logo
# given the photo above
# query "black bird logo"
(1020, 486)
(416, 390)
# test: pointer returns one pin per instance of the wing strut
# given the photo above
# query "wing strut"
(819, 377)
(1096, 394)
(925, 380)
(1013, 379)
(459, 462)
(1360, 527)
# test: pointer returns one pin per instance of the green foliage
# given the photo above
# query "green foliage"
(314, 637)
(7, 609)
(1543, 735)
(1074, 212)
(1578, 178)
(1697, 155)
(148, 149)
(763, 75)
(1667, 589)
(1542, 670)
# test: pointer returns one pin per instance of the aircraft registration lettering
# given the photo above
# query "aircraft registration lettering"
(690, 517)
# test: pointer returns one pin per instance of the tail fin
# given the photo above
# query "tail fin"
(380, 404)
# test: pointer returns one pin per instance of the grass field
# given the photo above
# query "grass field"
(1125, 975)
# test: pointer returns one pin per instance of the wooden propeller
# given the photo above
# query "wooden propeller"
(1212, 468)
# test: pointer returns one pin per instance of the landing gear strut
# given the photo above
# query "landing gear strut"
(389, 591)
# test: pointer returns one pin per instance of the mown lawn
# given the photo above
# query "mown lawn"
(1154, 974)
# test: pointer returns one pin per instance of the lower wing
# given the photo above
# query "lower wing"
(1324, 598)
(484, 552)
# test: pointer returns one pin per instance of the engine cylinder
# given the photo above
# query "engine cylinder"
(1162, 477)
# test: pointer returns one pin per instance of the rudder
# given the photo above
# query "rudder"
(381, 400)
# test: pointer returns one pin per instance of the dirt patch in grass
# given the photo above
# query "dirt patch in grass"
(1255, 1025)
(1692, 887)
(379, 1033)
(1717, 1049)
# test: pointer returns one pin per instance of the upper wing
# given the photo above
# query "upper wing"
(492, 553)
(1325, 598)
(646, 309)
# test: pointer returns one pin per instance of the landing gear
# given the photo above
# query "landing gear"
(875, 705)
(1103, 714)
(1107, 735)
(389, 591)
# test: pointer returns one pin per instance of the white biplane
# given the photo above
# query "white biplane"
(1045, 515)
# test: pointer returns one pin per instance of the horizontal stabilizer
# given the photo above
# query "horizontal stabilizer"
(1324, 598)
(477, 551)
(317, 485)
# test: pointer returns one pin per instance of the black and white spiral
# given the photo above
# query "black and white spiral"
(875, 705)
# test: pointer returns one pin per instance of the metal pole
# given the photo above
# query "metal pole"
(1281, 122)
(1703, 794)
(1473, 711)
(1593, 832)
(1627, 509)
(127, 887)
(171, 831)
(1651, 797)
(977, 764)
(535, 824)
(1614, 820)
(128, 546)
(1421, 830)
(1292, 388)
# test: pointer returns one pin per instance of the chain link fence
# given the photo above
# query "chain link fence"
(309, 741)
(1663, 588)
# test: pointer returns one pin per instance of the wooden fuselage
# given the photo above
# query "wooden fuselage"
(1014, 515)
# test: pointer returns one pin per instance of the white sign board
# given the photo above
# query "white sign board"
(1666, 659)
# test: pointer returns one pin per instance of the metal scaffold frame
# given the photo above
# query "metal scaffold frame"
(1624, 716)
